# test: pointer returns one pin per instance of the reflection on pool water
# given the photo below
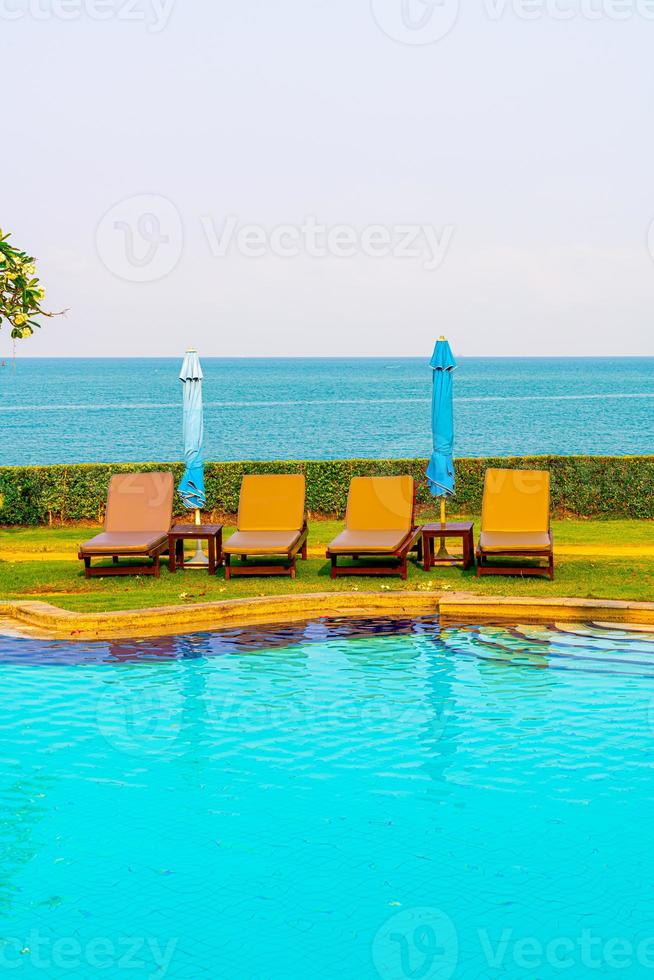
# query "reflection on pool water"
(394, 799)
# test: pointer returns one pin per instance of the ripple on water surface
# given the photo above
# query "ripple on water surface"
(395, 799)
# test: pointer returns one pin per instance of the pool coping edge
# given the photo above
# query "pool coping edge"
(41, 619)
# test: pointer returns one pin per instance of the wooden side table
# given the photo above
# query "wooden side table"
(211, 533)
(455, 529)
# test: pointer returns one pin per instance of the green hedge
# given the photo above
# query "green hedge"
(583, 486)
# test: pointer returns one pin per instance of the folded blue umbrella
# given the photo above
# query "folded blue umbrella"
(191, 487)
(440, 470)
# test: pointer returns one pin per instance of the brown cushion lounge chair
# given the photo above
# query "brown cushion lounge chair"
(379, 522)
(515, 523)
(271, 522)
(136, 524)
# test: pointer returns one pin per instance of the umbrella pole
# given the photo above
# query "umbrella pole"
(442, 553)
(199, 558)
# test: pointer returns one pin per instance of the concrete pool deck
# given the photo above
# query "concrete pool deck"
(42, 620)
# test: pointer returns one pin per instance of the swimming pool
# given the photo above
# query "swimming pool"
(385, 798)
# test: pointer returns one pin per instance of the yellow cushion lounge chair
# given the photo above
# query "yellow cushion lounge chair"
(379, 522)
(515, 523)
(271, 522)
(136, 524)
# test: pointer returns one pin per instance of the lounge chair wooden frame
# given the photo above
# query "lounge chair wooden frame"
(547, 554)
(289, 554)
(412, 540)
(101, 571)
(537, 555)
(139, 505)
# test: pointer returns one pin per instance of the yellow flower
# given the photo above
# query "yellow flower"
(19, 319)
(29, 269)
(40, 294)
(27, 332)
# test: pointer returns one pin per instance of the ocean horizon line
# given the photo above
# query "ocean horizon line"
(324, 357)
(85, 409)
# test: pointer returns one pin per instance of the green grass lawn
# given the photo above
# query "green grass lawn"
(572, 532)
(62, 581)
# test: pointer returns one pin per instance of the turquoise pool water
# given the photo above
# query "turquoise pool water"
(389, 799)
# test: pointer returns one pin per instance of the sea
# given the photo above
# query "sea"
(79, 410)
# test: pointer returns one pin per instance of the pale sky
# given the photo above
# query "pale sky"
(507, 146)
